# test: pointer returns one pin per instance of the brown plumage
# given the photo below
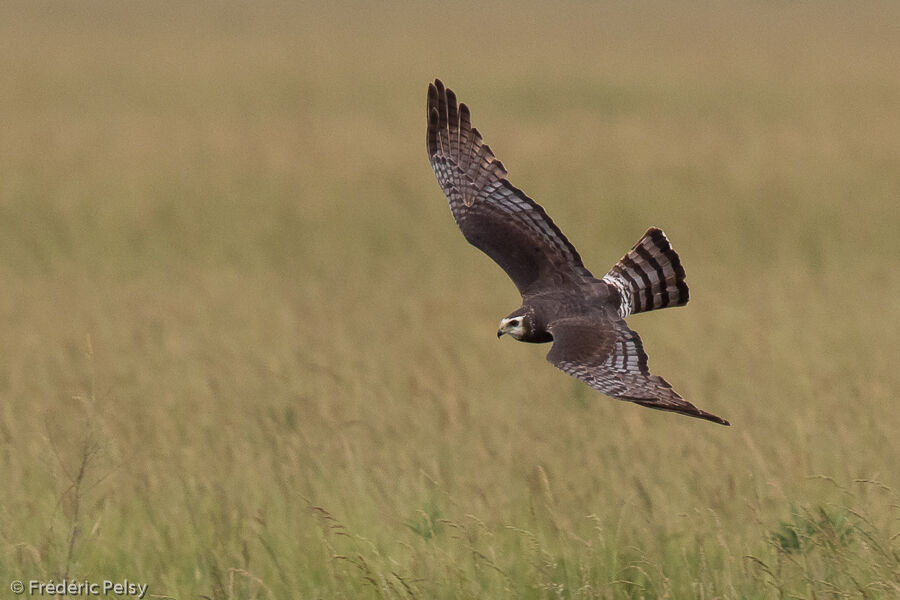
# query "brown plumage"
(561, 301)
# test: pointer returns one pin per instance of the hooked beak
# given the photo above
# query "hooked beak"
(500, 333)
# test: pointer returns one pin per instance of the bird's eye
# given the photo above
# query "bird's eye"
(515, 322)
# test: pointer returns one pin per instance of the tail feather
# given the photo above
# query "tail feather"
(649, 276)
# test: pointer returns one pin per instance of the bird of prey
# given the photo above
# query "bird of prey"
(561, 301)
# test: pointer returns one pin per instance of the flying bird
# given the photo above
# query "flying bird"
(562, 302)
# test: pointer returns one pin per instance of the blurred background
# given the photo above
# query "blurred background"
(246, 353)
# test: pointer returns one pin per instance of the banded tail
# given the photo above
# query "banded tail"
(649, 276)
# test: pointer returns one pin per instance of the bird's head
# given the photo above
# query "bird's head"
(515, 325)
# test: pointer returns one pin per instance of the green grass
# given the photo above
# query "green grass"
(245, 352)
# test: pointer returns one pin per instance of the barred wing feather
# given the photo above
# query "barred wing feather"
(494, 215)
(604, 353)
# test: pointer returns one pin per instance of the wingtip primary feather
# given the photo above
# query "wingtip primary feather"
(432, 97)
(716, 419)
(702, 414)
(689, 411)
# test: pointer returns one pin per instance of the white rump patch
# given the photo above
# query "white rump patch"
(624, 293)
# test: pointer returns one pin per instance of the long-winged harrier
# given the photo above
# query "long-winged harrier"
(561, 301)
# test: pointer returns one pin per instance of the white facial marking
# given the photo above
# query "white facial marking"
(514, 326)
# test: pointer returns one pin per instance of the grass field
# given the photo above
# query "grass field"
(246, 353)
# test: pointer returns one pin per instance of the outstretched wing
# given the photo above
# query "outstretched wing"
(494, 215)
(607, 355)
